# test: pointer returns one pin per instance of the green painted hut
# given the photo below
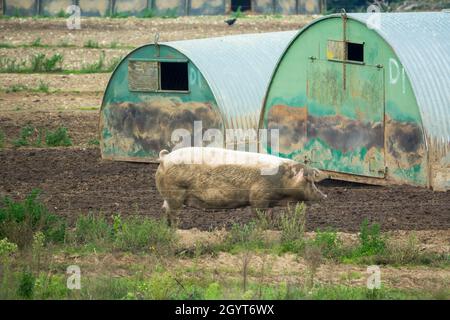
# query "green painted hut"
(366, 97)
(158, 92)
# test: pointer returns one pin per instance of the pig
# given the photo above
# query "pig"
(215, 178)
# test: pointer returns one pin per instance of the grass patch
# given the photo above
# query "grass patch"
(31, 136)
(4, 45)
(131, 234)
(2, 140)
(36, 63)
(170, 14)
(20, 220)
(42, 87)
(40, 63)
(58, 138)
(94, 142)
(100, 65)
(147, 14)
(292, 224)
(140, 234)
(37, 43)
(238, 14)
(92, 44)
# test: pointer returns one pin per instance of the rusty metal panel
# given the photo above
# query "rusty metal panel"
(95, 8)
(53, 7)
(336, 50)
(143, 75)
(345, 126)
(170, 7)
(309, 7)
(286, 7)
(202, 7)
(131, 7)
(20, 7)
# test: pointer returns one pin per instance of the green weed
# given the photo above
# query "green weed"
(292, 225)
(140, 234)
(91, 44)
(26, 285)
(20, 220)
(40, 63)
(36, 43)
(147, 14)
(59, 137)
(2, 140)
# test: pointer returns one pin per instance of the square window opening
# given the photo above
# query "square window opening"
(174, 76)
(355, 52)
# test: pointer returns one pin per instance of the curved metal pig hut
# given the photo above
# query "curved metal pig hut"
(367, 98)
(158, 88)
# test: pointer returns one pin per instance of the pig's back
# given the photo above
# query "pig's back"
(216, 157)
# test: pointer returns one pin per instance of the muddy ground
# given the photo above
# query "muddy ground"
(76, 180)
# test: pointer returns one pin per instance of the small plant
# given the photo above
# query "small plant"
(40, 63)
(96, 66)
(43, 87)
(113, 64)
(213, 291)
(371, 240)
(36, 43)
(26, 285)
(4, 45)
(6, 249)
(10, 65)
(139, 234)
(94, 142)
(19, 221)
(170, 14)
(292, 224)
(37, 249)
(17, 88)
(113, 45)
(24, 138)
(58, 138)
(92, 229)
(91, 44)
(62, 14)
(313, 257)
(238, 13)
(65, 44)
(2, 140)
(244, 236)
(147, 14)
(328, 242)
(120, 15)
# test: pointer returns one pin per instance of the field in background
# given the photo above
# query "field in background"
(51, 85)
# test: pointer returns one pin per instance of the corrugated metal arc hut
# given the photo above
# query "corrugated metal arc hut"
(157, 89)
(367, 98)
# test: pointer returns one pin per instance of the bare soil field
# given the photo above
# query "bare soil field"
(76, 180)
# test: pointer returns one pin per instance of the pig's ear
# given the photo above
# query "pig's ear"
(300, 175)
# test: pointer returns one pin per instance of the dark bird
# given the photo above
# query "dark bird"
(230, 22)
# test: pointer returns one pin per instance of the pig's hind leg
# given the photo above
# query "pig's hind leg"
(260, 198)
(172, 204)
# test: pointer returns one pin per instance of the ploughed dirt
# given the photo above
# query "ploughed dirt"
(76, 180)
(135, 32)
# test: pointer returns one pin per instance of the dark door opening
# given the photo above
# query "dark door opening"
(174, 76)
(245, 5)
